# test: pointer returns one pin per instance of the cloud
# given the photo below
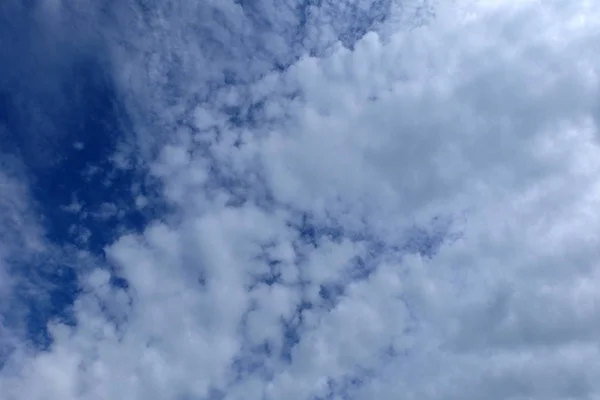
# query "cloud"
(411, 213)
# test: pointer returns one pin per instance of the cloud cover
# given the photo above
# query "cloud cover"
(365, 200)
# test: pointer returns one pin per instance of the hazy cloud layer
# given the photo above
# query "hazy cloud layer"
(360, 200)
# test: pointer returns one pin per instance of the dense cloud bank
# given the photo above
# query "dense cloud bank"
(319, 200)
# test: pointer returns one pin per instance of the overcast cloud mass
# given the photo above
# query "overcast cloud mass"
(299, 200)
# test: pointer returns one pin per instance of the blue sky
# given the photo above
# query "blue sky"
(299, 200)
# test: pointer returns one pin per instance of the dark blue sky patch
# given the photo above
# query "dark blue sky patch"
(426, 240)
(291, 331)
(271, 277)
(312, 231)
(331, 293)
(361, 268)
(44, 291)
(61, 118)
(422, 242)
(251, 359)
(65, 137)
(349, 20)
(252, 362)
(343, 387)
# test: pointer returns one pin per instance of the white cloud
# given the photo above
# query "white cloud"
(283, 271)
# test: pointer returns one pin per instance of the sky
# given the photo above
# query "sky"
(300, 200)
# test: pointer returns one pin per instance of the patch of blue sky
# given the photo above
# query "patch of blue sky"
(62, 120)
(350, 20)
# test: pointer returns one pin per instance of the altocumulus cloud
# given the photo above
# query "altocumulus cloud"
(335, 199)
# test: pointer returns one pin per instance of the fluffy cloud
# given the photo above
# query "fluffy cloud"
(413, 214)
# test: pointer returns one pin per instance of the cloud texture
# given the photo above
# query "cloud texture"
(360, 200)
